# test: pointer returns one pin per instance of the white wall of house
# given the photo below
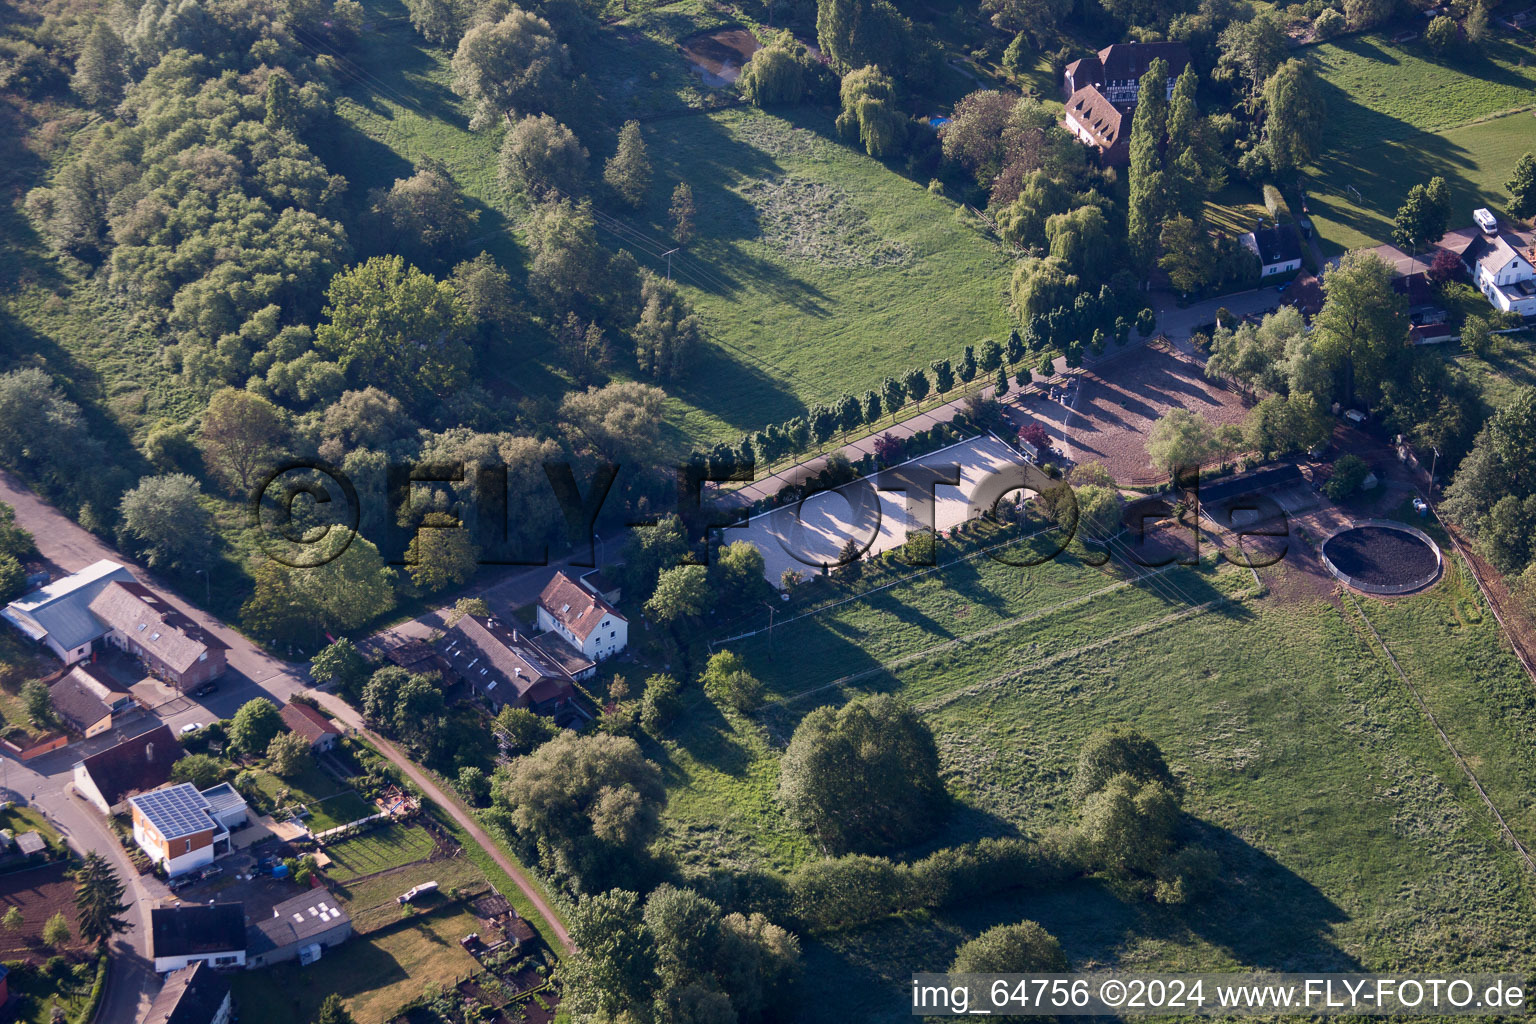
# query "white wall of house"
(1495, 286)
(86, 787)
(609, 638)
(1271, 269)
(228, 958)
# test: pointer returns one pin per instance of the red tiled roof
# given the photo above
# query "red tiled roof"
(575, 607)
(1091, 109)
(307, 722)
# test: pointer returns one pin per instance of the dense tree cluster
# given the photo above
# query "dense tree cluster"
(675, 955)
(584, 808)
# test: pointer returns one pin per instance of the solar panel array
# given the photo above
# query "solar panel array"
(176, 811)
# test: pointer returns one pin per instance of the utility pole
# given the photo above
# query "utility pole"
(771, 611)
(1432, 464)
(668, 255)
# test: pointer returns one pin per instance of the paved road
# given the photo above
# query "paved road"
(131, 980)
(68, 548)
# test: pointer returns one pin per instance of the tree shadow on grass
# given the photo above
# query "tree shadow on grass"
(1380, 173)
(705, 733)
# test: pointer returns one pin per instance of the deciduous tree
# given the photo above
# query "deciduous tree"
(391, 325)
(166, 517)
(540, 155)
(628, 171)
(586, 807)
(254, 725)
(863, 777)
(240, 432)
(289, 754)
(1294, 115)
(515, 65)
(1522, 188)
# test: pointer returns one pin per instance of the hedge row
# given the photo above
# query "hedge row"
(846, 892)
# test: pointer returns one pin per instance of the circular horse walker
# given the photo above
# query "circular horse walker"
(1382, 556)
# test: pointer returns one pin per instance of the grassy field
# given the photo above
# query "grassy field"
(817, 270)
(1396, 118)
(374, 974)
(930, 635)
(373, 902)
(1349, 837)
(789, 327)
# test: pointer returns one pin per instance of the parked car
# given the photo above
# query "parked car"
(205, 689)
(191, 727)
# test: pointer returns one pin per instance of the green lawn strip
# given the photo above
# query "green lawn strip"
(1503, 372)
(1348, 834)
(338, 810)
(21, 819)
(20, 661)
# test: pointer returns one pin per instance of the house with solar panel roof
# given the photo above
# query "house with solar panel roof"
(183, 829)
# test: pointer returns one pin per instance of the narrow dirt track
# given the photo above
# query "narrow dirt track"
(347, 714)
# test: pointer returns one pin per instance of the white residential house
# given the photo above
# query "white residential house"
(583, 619)
(183, 829)
(1502, 268)
(1278, 250)
(210, 933)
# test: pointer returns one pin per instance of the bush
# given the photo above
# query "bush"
(1349, 472)
(1187, 876)
(1441, 34)
(1329, 24)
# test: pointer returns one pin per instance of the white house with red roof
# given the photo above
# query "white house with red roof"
(582, 618)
